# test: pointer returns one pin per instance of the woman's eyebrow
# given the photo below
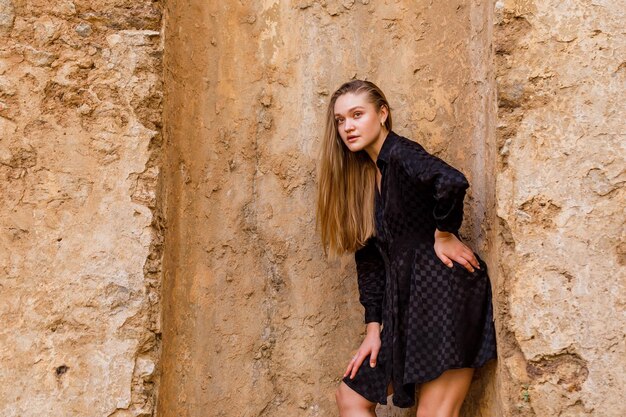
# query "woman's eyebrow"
(350, 109)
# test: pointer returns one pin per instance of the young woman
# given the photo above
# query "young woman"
(426, 294)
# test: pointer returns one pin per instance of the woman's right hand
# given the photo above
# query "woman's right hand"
(370, 346)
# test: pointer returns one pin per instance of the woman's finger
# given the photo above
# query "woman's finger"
(348, 370)
(469, 255)
(373, 357)
(351, 364)
(349, 367)
(474, 261)
(357, 365)
(458, 252)
(445, 260)
(465, 263)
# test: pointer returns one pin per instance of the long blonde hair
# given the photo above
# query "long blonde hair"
(346, 180)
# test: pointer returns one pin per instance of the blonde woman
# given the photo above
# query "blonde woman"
(426, 294)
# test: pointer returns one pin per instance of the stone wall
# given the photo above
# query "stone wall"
(256, 322)
(522, 96)
(561, 75)
(80, 247)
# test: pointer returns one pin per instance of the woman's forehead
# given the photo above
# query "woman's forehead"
(347, 102)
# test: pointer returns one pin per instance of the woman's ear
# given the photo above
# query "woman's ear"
(384, 112)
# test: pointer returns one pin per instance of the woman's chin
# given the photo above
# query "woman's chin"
(355, 146)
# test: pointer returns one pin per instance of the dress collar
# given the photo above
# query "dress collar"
(385, 149)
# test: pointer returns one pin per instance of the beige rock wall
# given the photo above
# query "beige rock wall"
(80, 111)
(255, 321)
(561, 72)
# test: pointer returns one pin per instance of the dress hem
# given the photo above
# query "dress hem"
(358, 390)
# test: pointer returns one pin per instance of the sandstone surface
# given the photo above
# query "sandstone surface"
(561, 74)
(80, 245)
(157, 192)
(256, 321)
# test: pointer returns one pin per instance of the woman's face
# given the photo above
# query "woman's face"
(358, 122)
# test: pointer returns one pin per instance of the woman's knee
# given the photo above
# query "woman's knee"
(348, 399)
(345, 396)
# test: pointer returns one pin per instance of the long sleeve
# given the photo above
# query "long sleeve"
(447, 183)
(371, 280)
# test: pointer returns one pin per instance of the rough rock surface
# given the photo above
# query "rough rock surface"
(80, 116)
(561, 75)
(256, 322)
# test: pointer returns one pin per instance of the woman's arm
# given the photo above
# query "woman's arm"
(448, 186)
(370, 346)
(371, 277)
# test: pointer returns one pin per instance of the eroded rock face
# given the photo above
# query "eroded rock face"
(256, 321)
(80, 117)
(561, 77)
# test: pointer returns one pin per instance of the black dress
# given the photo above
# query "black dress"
(433, 317)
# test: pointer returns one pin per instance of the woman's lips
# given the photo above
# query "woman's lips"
(352, 139)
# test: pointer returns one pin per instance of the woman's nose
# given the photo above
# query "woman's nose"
(347, 125)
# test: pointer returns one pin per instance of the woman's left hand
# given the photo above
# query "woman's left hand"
(449, 248)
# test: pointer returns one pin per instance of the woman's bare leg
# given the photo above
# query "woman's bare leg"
(353, 404)
(443, 396)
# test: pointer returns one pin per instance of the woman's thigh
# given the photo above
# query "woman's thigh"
(348, 399)
(443, 396)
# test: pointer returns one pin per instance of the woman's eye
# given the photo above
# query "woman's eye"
(357, 114)
(339, 120)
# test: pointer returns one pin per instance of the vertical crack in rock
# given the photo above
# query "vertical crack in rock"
(146, 187)
(510, 30)
(273, 280)
(147, 192)
(515, 401)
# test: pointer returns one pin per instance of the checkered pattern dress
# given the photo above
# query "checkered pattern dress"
(433, 317)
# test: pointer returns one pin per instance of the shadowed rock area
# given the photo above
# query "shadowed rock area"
(256, 321)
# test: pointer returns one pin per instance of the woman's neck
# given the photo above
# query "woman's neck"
(374, 149)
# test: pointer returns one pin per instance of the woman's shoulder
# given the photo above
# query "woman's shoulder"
(407, 150)
(416, 161)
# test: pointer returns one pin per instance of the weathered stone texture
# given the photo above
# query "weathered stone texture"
(80, 111)
(561, 72)
(256, 321)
